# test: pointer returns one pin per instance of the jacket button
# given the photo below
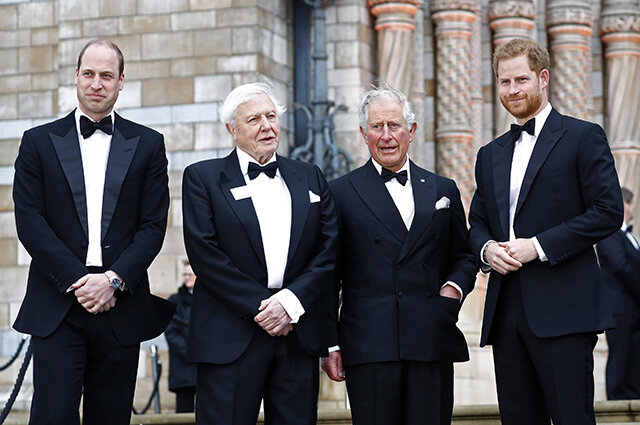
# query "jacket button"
(400, 294)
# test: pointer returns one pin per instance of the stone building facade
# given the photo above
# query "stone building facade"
(183, 56)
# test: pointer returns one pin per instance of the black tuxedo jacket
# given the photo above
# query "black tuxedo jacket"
(224, 245)
(570, 199)
(391, 277)
(51, 220)
(620, 263)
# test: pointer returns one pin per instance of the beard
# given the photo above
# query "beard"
(526, 108)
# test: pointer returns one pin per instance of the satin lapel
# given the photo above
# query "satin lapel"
(549, 136)
(371, 189)
(231, 177)
(120, 156)
(502, 157)
(68, 150)
(424, 199)
(300, 201)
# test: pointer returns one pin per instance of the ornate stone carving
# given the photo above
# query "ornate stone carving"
(394, 25)
(511, 9)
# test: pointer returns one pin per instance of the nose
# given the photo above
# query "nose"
(513, 88)
(96, 83)
(264, 123)
(386, 132)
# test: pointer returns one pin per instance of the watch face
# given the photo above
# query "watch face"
(115, 283)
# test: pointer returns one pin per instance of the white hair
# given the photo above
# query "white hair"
(245, 93)
(385, 93)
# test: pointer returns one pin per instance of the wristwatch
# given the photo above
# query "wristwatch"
(114, 280)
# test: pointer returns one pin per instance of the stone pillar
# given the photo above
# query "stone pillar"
(569, 24)
(454, 133)
(394, 25)
(620, 32)
(508, 19)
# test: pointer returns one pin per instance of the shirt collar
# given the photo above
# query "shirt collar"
(79, 114)
(244, 159)
(624, 226)
(404, 167)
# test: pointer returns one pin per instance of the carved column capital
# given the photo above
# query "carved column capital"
(394, 14)
(500, 9)
(620, 28)
(570, 17)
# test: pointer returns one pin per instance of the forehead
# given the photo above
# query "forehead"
(101, 57)
(258, 105)
(514, 66)
(385, 110)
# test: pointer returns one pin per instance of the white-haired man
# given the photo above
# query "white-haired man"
(260, 231)
(405, 266)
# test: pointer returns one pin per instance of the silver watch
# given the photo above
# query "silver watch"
(114, 280)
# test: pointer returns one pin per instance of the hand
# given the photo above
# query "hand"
(522, 250)
(94, 293)
(449, 292)
(332, 366)
(499, 259)
(273, 318)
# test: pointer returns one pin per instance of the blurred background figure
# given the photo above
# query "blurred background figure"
(182, 375)
(620, 262)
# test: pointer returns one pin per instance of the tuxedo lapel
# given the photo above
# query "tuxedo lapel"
(121, 154)
(502, 157)
(300, 199)
(424, 199)
(230, 178)
(551, 132)
(370, 187)
(67, 148)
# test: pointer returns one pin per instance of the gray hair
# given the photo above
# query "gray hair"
(385, 93)
(245, 93)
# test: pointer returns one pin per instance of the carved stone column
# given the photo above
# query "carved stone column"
(569, 24)
(395, 24)
(620, 32)
(509, 19)
(454, 133)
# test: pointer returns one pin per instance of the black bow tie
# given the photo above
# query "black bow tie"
(516, 130)
(629, 229)
(88, 127)
(269, 169)
(401, 177)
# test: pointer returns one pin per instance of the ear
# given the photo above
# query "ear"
(231, 131)
(412, 132)
(544, 78)
(121, 82)
(75, 81)
(364, 134)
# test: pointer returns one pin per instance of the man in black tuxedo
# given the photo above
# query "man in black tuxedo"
(260, 231)
(404, 268)
(91, 200)
(619, 256)
(547, 191)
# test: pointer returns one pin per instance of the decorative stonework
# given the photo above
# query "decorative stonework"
(394, 25)
(620, 34)
(454, 132)
(569, 24)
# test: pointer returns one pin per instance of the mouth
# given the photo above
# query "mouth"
(388, 149)
(270, 139)
(95, 96)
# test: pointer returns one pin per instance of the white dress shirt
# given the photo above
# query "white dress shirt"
(522, 150)
(629, 236)
(95, 153)
(272, 203)
(402, 195)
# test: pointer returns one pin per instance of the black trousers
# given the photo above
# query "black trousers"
(623, 366)
(185, 399)
(83, 358)
(400, 393)
(539, 378)
(275, 369)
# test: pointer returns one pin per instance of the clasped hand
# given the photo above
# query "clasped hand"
(94, 293)
(273, 318)
(506, 257)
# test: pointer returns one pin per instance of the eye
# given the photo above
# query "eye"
(253, 120)
(394, 125)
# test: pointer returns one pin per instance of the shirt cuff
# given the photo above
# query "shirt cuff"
(541, 255)
(334, 348)
(291, 304)
(485, 267)
(455, 286)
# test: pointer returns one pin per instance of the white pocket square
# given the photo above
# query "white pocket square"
(241, 192)
(313, 198)
(442, 203)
